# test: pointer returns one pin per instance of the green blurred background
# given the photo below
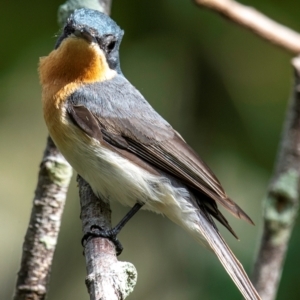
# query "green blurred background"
(221, 87)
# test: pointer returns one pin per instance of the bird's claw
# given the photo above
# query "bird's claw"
(96, 231)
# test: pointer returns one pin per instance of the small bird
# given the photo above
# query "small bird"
(121, 146)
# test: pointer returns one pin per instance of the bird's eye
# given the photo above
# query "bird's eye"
(111, 46)
(108, 43)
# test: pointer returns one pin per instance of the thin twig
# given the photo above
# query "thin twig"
(41, 236)
(257, 22)
(282, 201)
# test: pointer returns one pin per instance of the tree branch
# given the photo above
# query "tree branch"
(255, 21)
(282, 201)
(108, 278)
(41, 236)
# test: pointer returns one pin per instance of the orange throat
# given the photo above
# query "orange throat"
(75, 60)
(74, 63)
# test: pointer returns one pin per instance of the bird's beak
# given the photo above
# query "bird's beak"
(84, 34)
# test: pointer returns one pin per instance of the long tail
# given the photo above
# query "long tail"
(226, 257)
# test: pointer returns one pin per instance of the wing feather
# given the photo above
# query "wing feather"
(172, 157)
(129, 122)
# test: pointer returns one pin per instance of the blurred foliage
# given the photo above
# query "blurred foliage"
(221, 87)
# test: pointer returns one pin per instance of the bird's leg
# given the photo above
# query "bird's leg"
(111, 234)
(126, 218)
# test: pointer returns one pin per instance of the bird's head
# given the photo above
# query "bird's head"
(86, 51)
(96, 29)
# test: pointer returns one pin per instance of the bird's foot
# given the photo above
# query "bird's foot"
(96, 231)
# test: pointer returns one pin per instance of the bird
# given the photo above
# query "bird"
(121, 146)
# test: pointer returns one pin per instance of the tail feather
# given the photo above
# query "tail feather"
(227, 258)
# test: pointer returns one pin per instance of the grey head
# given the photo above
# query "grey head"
(95, 26)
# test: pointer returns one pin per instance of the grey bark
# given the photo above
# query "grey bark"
(282, 201)
(41, 236)
(108, 278)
